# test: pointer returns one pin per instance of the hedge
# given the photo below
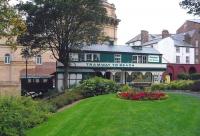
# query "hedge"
(174, 85)
(19, 114)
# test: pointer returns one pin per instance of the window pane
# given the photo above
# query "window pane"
(178, 59)
(39, 59)
(117, 58)
(7, 59)
(88, 57)
(144, 59)
(96, 57)
(74, 56)
(134, 59)
(139, 59)
(81, 57)
(187, 50)
(187, 59)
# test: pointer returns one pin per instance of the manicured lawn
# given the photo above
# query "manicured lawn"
(110, 116)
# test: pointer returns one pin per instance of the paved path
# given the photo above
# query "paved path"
(195, 94)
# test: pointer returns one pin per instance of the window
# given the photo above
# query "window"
(144, 59)
(178, 49)
(178, 59)
(187, 60)
(134, 59)
(187, 50)
(111, 42)
(196, 61)
(37, 80)
(88, 56)
(197, 43)
(74, 79)
(139, 59)
(118, 77)
(29, 80)
(39, 60)
(74, 56)
(81, 57)
(45, 80)
(96, 57)
(117, 58)
(7, 59)
(196, 52)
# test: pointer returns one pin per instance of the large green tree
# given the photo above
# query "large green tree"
(193, 6)
(62, 26)
(11, 23)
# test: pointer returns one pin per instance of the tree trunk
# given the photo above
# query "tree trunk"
(66, 73)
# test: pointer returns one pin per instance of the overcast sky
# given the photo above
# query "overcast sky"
(150, 15)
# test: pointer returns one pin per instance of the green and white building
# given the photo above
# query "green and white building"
(123, 64)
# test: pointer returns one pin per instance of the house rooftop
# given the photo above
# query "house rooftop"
(120, 49)
(195, 20)
(179, 39)
(138, 38)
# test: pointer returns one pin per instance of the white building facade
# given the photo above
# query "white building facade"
(174, 52)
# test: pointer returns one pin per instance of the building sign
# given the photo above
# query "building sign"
(108, 65)
(153, 58)
(102, 65)
(116, 65)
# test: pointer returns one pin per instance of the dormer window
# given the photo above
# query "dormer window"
(39, 60)
(7, 59)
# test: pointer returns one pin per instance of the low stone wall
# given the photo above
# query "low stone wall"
(10, 90)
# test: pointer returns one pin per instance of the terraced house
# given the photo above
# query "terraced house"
(123, 64)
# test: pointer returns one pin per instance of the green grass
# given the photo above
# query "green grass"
(110, 116)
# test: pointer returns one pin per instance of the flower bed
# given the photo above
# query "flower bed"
(130, 95)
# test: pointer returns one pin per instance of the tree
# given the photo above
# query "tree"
(62, 26)
(11, 23)
(193, 6)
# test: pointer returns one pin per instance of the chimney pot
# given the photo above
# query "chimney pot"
(187, 38)
(165, 34)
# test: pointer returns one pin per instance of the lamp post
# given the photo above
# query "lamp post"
(26, 55)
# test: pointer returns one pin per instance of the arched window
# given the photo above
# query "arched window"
(7, 59)
(38, 59)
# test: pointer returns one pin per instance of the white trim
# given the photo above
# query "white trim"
(118, 65)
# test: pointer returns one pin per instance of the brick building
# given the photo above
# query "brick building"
(192, 26)
(175, 69)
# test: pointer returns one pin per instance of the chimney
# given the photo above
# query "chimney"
(165, 34)
(144, 36)
(187, 38)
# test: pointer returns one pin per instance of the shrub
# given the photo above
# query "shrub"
(174, 85)
(142, 95)
(87, 88)
(97, 86)
(180, 85)
(158, 87)
(195, 76)
(125, 88)
(183, 76)
(19, 114)
(66, 98)
(196, 86)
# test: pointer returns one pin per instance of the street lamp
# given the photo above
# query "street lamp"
(26, 55)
